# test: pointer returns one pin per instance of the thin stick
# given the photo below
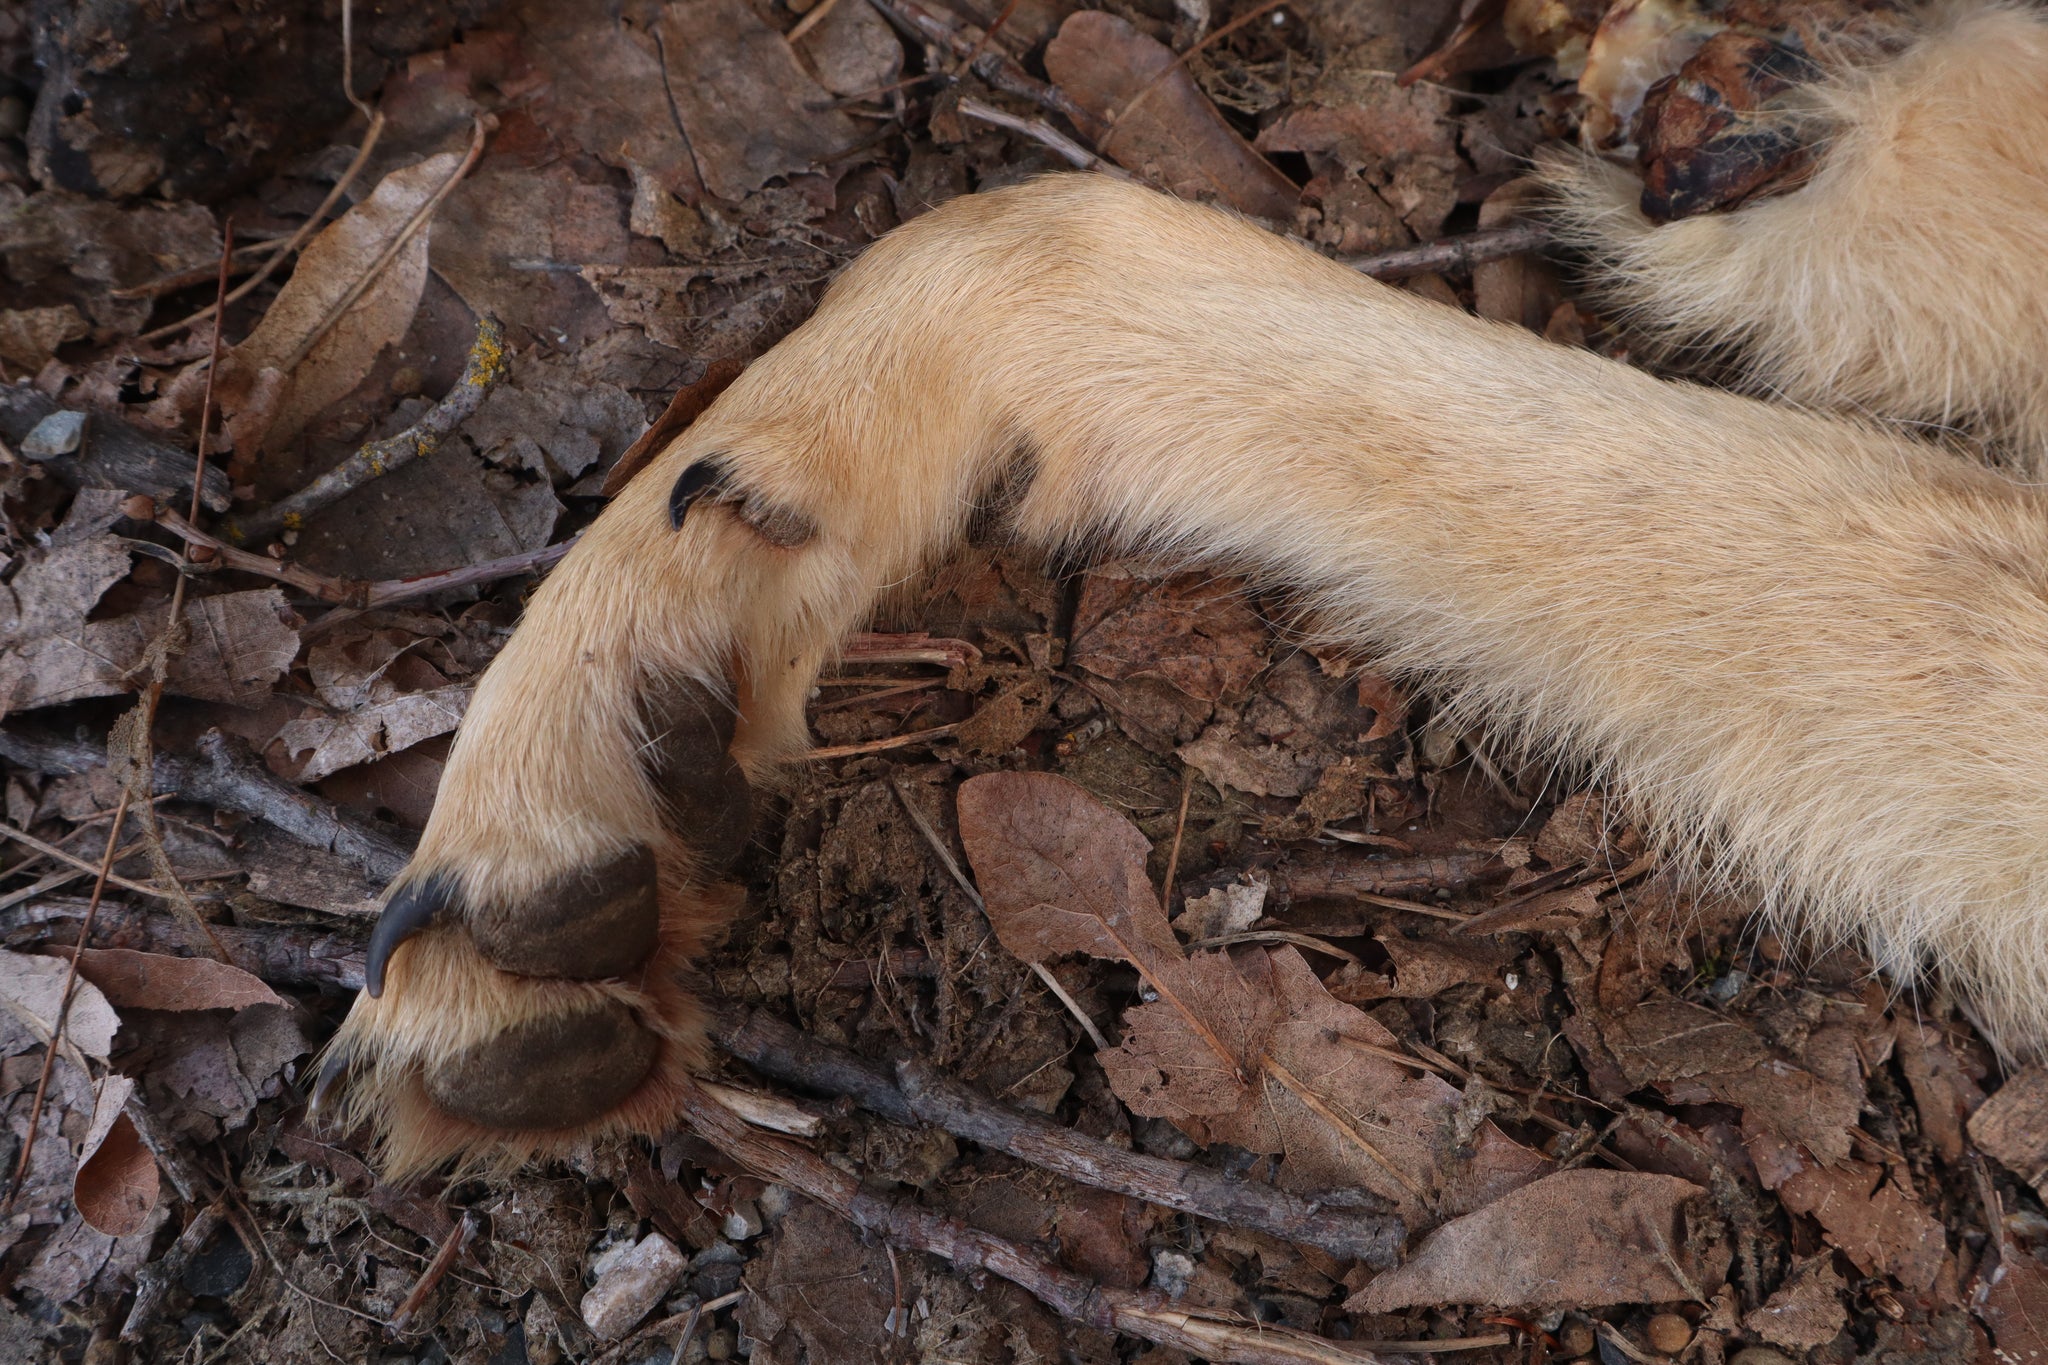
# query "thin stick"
(291, 244)
(81, 865)
(1180, 828)
(485, 367)
(35, 1108)
(876, 746)
(809, 21)
(226, 776)
(1301, 1091)
(452, 1246)
(1038, 130)
(355, 593)
(918, 1094)
(1453, 253)
(1181, 59)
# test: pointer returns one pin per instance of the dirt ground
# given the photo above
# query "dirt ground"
(1121, 981)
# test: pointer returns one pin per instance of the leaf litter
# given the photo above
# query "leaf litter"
(1333, 948)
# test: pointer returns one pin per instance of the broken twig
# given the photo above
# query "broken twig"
(1148, 1315)
(917, 1094)
(486, 367)
(1453, 253)
(222, 777)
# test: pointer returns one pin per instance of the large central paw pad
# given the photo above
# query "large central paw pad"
(517, 1017)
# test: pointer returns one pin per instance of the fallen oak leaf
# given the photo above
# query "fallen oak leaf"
(160, 981)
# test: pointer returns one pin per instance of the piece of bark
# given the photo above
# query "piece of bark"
(2012, 1126)
(1161, 125)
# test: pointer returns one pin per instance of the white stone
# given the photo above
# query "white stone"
(630, 1285)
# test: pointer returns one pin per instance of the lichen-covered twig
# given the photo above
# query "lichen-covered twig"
(487, 365)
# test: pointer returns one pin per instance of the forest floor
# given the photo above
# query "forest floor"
(1500, 1089)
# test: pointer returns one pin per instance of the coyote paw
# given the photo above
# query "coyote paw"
(523, 992)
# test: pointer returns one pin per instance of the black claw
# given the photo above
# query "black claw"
(408, 912)
(705, 476)
(332, 1072)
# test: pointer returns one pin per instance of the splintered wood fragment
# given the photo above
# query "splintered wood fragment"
(918, 1094)
(1339, 873)
(1145, 1314)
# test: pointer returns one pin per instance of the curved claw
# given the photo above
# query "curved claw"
(705, 476)
(408, 912)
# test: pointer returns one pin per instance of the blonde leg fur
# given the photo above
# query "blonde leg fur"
(1811, 651)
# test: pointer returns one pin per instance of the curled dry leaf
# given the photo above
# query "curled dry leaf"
(159, 981)
(1160, 123)
(31, 990)
(117, 1185)
(1575, 1238)
(266, 406)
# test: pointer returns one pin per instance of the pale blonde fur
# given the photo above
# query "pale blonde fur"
(1907, 279)
(1814, 653)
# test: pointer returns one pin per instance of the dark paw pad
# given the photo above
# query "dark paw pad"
(558, 1072)
(704, 794)
(597, 921)
(593, 922)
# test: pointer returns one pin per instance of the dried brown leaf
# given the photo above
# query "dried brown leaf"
(750, 109)
(1806, 1311)
(2012, 1126)
(379, 699)
(1583, 1238)
(1695, 1055)
(1061, 872)
(159, 981)
(31, 989)
(1195, 631)
(1162, 125)
(2014, 1306)
(1878, 1224)
(333, 263)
